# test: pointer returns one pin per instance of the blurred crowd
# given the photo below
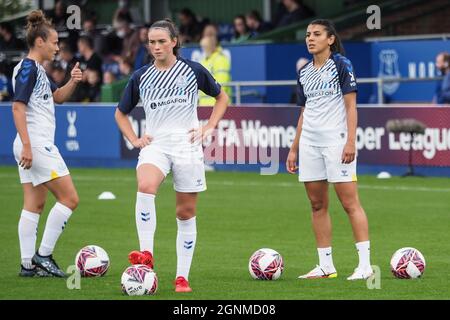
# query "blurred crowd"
(111, 54)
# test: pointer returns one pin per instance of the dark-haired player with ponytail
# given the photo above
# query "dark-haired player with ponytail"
(41, 167)
(326, 147)
(168, 90)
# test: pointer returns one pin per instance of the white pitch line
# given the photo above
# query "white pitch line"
(250, 184)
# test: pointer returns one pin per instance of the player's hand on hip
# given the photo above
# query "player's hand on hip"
(291, 162)
(142, 141)
(200, 134)
(76, 73)
(349, 153)
(26, 157)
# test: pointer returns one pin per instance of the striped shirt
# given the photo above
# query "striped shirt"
(32, 87)
(321, 91)
(169, 98)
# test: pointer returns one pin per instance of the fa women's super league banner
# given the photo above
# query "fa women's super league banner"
(258, 136)
(261, 135)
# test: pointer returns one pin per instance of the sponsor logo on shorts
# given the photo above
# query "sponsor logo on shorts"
(344, 173)
(199, 183)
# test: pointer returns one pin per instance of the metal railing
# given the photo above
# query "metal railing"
(237, 85)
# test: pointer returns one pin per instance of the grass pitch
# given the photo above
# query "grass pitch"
(238, 214)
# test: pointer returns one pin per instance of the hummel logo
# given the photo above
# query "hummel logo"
(344, 173)
(188, 244)
(328, 254)
(145, 216)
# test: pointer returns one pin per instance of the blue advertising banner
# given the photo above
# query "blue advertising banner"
(82, 132)
(407, 59)
(248, 138)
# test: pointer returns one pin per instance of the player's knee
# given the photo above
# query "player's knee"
(147, 187)
(318, 206)
(185, 211)
(351, 206)
(36, 207)
(70, 201)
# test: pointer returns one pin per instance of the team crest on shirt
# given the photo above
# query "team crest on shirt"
(326, 76)
(182, 81)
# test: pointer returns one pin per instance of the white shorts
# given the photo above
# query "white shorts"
(47, 164)
(324, 163)
(188, 170)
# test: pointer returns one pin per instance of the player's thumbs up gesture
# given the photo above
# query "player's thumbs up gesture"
(76, 73)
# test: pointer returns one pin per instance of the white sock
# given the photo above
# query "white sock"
(363, 253)
(186, 240)
(326, 258)
(56, 222)
(145, 220)
(28, 225)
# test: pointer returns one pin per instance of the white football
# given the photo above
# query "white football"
(266, 264)
(92, 261)
(407, 263)
(139, 280)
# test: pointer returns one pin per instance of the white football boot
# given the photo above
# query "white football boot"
(361, 273)
(320, 272)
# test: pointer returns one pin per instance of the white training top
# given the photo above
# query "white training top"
(321, 91)
(32, 87)
(169, 98)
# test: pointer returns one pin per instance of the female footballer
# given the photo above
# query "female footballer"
(168, 89)
(325, 145)
(41, 167)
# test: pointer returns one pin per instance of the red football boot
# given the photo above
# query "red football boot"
(141, 257)
(182, 285)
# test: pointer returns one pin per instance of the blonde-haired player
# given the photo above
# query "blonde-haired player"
(41, 167)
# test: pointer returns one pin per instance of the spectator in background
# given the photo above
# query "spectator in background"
(123, 11)
(296, 11)
(190, 28)
(126, 35)
(108, 77)
(217, 64)
(210, 30)
(59, 15)
(443, 87)
(58, 74)
(111, 66)
(90, 59)
(8, 40)
(92, 87)
(113, 41)
(125, 67)
(241, 31)
(256, 24)
(67, 59)
(90, 30)
(141, 55)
